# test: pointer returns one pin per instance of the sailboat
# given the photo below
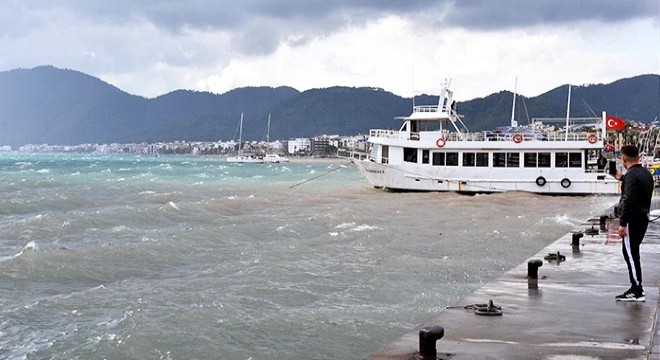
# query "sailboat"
(240, 158)
(272, 157)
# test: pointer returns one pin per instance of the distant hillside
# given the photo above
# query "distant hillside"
(56, 106)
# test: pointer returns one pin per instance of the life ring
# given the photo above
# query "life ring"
(517, 138)
(565, 183)
(440, 142)
(592, 138)
(540, 181)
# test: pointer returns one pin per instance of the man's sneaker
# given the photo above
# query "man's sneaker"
(631, 295)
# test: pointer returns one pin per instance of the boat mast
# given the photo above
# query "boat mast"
(568, 110)
(240, 137)
(268, 131)
(514, 123)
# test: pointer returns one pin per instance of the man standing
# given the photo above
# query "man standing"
(634, 207)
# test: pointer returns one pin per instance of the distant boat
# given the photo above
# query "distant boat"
(240, 158)
(272, 158)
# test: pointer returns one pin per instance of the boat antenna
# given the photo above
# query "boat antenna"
(268, 131)
(568, 110)
(412, 84)
(514, 123)
(525, 107)
(589, 108)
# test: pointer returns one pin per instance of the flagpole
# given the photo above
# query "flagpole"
(604, 130)
(568, 110)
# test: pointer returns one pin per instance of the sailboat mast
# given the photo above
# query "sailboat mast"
(568, 111)
(268, 131)
(240, 137)
(514, 123)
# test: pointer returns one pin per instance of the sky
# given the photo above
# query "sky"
(152, 47)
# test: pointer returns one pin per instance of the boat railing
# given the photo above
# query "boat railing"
(352, 154)
(426, 109)
(389, 134)
(486, 136)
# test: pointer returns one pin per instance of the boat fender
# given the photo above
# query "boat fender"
(440, 142)
(592, 138)
(565, 183)
(540, 181)
(517, 138)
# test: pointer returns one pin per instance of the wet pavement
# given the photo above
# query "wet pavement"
(569, 312)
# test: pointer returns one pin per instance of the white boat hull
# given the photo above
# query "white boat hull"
(244, 159)
(399, 178)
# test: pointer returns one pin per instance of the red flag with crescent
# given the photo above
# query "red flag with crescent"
(614, 123)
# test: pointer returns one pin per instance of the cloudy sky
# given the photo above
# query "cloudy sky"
(151, 47)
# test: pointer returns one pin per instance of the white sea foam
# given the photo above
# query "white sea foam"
(147, 192)
(30, 246)
(172, 205)
(345, 225)
(365, 227)
(43, 171)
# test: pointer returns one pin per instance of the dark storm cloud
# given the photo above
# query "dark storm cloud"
(176, 14)
(260, 26)
(485, 14)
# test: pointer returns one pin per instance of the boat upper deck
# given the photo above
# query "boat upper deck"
(591, 137)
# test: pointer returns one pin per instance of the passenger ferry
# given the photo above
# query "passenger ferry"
(434, 151)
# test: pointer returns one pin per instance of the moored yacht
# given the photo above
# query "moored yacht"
(240, 157)
(434, 151)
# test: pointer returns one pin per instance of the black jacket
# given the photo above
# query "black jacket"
(636, 194)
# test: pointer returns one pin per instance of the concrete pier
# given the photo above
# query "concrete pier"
(569, 312)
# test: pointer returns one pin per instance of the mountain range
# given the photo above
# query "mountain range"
(60, 106)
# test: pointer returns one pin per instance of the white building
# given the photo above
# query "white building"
(299, 145)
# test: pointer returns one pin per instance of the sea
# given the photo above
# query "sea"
(171, 257)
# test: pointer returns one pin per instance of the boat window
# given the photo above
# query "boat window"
(468, 159)
(404, 127)
(544, 160)
(452, 159)
(499, 159)
(410, 155)
(425, 156)
(530, 159)
(430, 126)
(482, 159)
(506, 159)
(561, 159)
(385, 154)
(575, 160)
(439, 159)
(512, 159)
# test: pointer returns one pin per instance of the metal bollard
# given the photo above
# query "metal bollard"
(575, 240)
(603, 222)
(427, 338)
(533, 268)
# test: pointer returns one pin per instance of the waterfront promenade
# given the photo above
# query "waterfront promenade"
(569, 312)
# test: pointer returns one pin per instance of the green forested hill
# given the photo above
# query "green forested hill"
(57, 106)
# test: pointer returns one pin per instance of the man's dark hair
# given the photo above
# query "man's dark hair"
(630, 151)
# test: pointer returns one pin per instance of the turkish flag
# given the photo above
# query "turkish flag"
(614, 123)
